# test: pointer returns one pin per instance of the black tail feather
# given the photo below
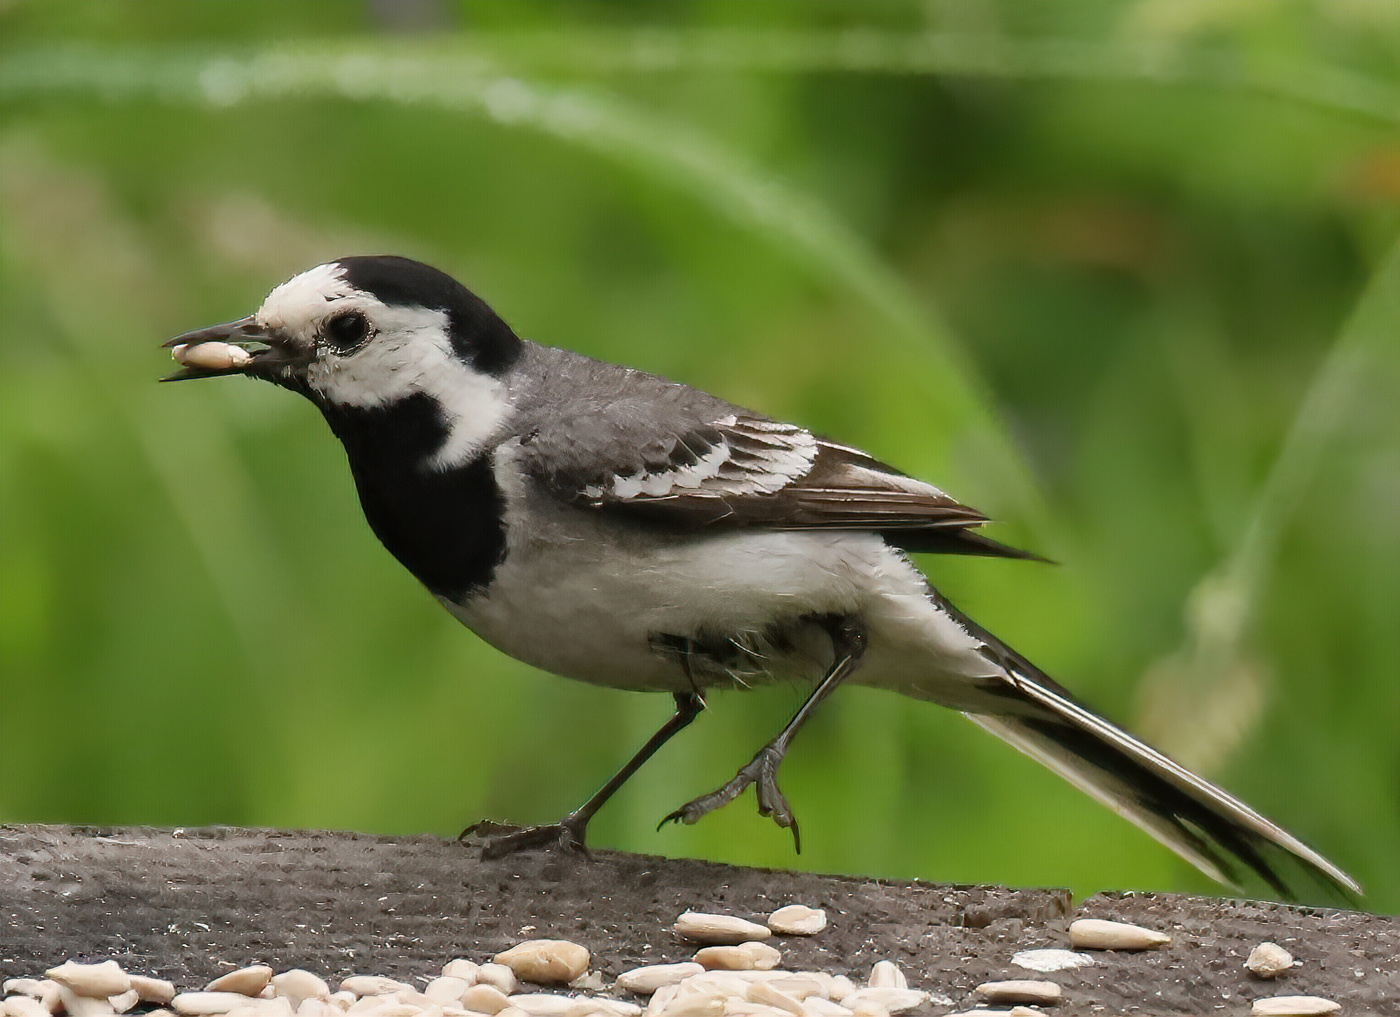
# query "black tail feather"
(1213, 835)
(955, 540)
(1199, 821)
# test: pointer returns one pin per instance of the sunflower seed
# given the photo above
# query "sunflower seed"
(372, 985)
(646, 980)
(1019, 990)
(45, 990)
(694, 1005)
(752, 956)
(1268, 960)
(446, 989)
(1097, 934)
(612, 1007)
(213, 356)
(83, 1006)
(797, 920)
(545, 961)
(801, 984)
(247, 981)
(711, 983)
(202, 1004)
(23, 1006)
(1046, 961)
(589, 981)
(392, 1008)
(482, 998)
(886, 975)
(543, 1004)
(708, 928)
(152, 990)
(763, 992)
(662, 998)
(461, 968)
(1293, 1006)
(91, 981)
(497, 975)
(298, 984)
(888, 1000)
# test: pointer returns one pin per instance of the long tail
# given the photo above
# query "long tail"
(1206, 825)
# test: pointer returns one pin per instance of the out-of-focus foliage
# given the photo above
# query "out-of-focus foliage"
(1119, 274)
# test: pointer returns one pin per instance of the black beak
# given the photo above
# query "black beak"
(230, 333)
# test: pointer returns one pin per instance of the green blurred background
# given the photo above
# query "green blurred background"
(1120, 274)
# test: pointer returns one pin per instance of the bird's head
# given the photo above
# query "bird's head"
(359, 332)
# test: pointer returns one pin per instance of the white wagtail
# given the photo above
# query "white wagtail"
(608, 525)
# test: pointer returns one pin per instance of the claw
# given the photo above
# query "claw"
(774, 804)
(760, 771)
(488, 828)
(501, 839)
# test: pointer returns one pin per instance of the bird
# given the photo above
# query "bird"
(611, 526)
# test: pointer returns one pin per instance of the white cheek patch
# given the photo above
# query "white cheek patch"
(477, 406)
(412, 354)
(409, 349)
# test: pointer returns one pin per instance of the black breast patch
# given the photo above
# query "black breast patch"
(444, 526)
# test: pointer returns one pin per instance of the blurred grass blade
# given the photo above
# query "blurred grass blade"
(1117, 56)
(196, 468)
(1227, 678)
(1366, 351)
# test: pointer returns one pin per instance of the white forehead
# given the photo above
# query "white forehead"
(302, 302)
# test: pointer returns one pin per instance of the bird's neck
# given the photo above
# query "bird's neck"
(443, 524)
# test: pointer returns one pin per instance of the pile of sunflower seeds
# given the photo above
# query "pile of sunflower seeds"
(734, 973)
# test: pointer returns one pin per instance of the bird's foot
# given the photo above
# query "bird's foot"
(501, 839)
(762, 772)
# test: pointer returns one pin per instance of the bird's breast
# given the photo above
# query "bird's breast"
(443, 524)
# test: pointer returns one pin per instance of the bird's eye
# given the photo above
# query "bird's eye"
(347, 332)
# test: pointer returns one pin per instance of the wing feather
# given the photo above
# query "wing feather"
(620, 441)
(745, 470)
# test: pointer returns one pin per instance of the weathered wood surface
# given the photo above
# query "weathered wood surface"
(189, 905)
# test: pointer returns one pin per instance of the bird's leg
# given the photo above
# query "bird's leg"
(570, 830)
(848, 640)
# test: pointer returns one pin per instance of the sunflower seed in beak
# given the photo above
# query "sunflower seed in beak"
(212, 356)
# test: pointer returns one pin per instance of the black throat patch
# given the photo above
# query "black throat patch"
(444, 526)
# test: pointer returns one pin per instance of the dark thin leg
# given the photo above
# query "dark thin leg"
(570, 830)
(848, 640)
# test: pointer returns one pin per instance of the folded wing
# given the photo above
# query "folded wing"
(745, 470)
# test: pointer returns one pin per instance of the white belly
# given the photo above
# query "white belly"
(588, 607)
